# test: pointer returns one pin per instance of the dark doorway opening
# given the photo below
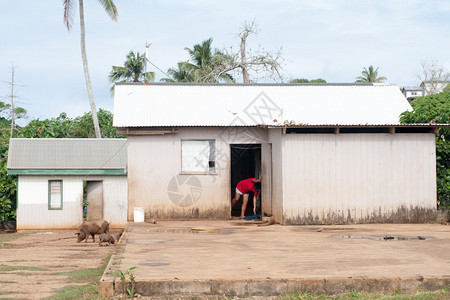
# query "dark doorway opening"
(245, 163)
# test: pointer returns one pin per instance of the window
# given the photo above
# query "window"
(197, 156)
(55, 194)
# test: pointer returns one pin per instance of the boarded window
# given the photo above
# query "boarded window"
(55, 194)
(197, 156)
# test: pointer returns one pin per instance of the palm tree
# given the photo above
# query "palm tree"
(133, 70)
(369, 76)
(182, 74)
(205, 66)
(111, 10)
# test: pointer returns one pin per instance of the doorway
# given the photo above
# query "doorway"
(93, 200)
(245, 163)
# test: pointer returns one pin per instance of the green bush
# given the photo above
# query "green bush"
(8, 192)
(435, 109)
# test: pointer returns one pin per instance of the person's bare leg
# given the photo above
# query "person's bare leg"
(244, 205)
(236, 199)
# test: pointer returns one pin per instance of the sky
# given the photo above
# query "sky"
(329, 39)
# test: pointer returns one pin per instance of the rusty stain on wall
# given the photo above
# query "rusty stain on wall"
(187, 213)
(412, 214)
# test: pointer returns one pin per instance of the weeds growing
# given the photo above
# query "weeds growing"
(128, 290)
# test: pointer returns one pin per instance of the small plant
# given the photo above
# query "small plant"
(128, 290)
(398, 292)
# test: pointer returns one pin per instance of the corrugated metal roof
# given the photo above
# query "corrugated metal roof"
(158, 105)
(67, 154)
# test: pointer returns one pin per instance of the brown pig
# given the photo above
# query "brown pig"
(91, 228)
(106, 238)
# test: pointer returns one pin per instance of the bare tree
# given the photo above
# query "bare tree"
(433, 77)
(261, 61)
(247, 62)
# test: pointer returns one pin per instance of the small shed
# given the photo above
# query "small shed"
(61, 182)
(328, 153)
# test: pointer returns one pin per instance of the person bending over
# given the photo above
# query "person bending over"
(244, 187)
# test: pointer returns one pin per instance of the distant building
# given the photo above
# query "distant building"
(430, 88)
(412, 92)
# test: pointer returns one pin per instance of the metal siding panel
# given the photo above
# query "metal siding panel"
(266, 193)
(277, 174)
(351, 178)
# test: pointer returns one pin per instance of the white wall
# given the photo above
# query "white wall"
(155, 160)
(358, 178)
(439, 86)
(413, 94)
(33, 212)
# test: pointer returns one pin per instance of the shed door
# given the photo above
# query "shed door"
(94, 197)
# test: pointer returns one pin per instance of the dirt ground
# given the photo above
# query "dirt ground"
(36, 265)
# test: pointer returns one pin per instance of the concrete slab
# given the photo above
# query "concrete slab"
(238, 258)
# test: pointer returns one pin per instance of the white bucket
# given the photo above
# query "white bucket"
(139, 214)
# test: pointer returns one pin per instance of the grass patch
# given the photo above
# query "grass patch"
(436, 295)
(89, 276)
(21, 268)
(12, 236)
(85, 275)
(3, 293)
(88, 291)
(20, 260)
(8, 281)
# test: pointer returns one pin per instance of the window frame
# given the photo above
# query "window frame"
(213, 172)
(50, 194)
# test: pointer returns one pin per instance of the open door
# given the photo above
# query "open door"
(245, 163)
(94, 200)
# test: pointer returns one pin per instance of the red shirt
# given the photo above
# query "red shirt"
(246, 186)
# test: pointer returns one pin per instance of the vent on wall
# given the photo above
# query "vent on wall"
(315, 130)
(364, 129)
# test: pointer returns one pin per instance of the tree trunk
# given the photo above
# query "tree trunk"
(244, 58)
(86, 73)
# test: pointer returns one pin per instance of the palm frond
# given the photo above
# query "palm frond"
(110, 8)
(68, 13)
